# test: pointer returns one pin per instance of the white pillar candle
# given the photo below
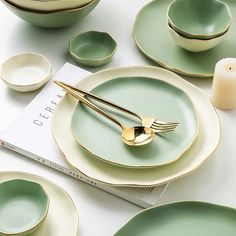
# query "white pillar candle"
(224, 84)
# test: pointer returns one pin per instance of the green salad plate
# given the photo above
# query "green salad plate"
(151, 35)
(182, 219)
(149, 97)
(23, 207)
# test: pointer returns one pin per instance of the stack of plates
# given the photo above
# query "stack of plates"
(93, 145)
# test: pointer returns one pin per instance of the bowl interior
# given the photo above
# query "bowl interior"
(201, 17)
(92, 45)
(23, 205)
(25, 69)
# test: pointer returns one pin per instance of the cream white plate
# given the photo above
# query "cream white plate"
(26, 72)
(62, 218)
(205, 144)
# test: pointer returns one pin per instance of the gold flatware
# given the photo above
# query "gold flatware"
(132, 136)
(156, 125)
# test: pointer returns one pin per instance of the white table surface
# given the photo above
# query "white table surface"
(101, 213)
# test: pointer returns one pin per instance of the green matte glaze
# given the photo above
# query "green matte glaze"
(153, 39)
(23, 206)
(200, 19)
(92, 48)
(182, 219)
(53, 19)
(146, 96)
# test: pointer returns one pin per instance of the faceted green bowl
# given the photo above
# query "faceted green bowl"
(23, 207)
(92, 48)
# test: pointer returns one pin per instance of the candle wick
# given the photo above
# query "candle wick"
(230, 68)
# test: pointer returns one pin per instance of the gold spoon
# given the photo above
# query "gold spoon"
(132, 136)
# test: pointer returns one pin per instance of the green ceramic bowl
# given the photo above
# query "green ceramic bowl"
(52, 19)
(23, 207)
(199, 19)
(92, 48)
(195, 45)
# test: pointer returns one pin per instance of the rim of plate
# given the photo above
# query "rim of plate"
(172, 203)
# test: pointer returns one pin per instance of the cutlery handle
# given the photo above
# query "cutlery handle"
(89, 104)
(102, 100)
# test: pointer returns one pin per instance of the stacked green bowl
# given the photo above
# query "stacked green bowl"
(198, 25)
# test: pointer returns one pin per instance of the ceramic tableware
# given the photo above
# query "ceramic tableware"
(199, 19)
(49, 5)
(52, 19)
(182, 219)
(62, 217)
(23, 207)
(102, 138)
(92, 48)
(204, 145)
(194, 45)
(26, 72)
(156, 42)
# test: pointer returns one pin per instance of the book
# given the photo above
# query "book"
(30, 135)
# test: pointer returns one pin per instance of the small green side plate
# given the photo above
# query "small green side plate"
(23, 207)
(151, 35)
(92, 48)
(146, 96)
(182, 219)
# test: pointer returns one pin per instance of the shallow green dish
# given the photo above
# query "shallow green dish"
(153, 39)
(23, 207)
(147, 96)
(199, 19)
(92, 48)
(182, 219)
(52, 19)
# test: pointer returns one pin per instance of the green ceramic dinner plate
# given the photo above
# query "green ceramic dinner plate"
(182, 219)
(151, 35)
(23, 206)
(146, 96)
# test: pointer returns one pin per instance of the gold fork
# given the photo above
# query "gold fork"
(156, 125)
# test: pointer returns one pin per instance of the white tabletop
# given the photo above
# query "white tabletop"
(101, 213)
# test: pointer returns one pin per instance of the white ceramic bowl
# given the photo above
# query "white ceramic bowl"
(26, 72)
(49, 5)
(195, 45)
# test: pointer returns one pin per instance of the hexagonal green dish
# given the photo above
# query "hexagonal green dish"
(92, 48)
(182, 219)
(23, 207)
(199, 19)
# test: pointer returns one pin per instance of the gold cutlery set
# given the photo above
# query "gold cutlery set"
(132, 136)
